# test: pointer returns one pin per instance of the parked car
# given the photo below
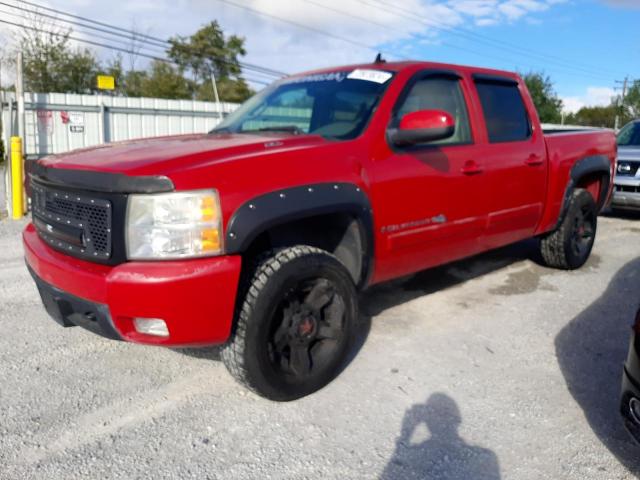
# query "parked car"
(630, 403)
(259, 234)
(626, 195)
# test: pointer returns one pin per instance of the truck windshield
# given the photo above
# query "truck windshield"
(335, 105)
(629, 135)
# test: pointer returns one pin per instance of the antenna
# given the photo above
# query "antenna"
(379, 59)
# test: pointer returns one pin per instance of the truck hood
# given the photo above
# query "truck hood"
(161, 155)
(629, 153)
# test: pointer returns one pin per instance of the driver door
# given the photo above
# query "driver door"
(431, 199)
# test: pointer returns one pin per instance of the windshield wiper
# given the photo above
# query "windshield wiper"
(281, 128)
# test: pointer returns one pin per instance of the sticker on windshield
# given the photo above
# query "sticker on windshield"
(316, 77)
(377, 76)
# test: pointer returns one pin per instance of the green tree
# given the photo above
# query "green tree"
(631, 104)
(545, 99)
(51, 65)
(208, 52)
(594, 116)
(165, 81)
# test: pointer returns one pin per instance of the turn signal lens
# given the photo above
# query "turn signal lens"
(209, 209)
(210, 240)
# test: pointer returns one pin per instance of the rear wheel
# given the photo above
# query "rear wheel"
(295, 324)
(570, 245)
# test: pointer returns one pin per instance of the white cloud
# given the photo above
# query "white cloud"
(593, 97)
(623, 3)
(400, 27)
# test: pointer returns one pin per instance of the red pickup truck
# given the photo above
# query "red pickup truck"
(259, 234)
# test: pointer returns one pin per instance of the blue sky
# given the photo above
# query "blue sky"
(583, 45)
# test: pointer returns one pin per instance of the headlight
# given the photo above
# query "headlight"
(174, 225)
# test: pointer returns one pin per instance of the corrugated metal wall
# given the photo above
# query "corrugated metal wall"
(57, 123)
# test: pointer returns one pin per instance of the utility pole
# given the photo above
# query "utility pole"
(215, 95)
(20, 95)
(625, 83)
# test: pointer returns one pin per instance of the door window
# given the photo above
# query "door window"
(504, 112)
(439, 93)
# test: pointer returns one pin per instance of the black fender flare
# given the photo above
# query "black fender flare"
(583, 167)
(279, 207)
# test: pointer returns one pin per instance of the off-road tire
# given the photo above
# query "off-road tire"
(248, 352)
(558, 248)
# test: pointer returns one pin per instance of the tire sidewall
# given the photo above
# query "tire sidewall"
(264, 378)
(581, 199)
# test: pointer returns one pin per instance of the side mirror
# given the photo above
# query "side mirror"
(423, 126)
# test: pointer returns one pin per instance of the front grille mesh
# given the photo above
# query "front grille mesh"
(627, 189)
(96, 218)
(64, 214)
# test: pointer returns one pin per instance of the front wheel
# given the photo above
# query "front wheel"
(570, 245)
(295, 325)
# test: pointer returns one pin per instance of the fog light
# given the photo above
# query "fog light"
(151, 326)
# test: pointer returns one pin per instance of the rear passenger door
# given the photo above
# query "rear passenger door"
(514, 156)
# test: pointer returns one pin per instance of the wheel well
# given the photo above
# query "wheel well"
(597, 184)
(339, 233)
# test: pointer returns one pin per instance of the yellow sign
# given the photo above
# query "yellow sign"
(106, 82)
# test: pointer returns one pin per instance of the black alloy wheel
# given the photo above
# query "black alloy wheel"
(307, 329)
(569, 246)
(583, 233)
(295, 324)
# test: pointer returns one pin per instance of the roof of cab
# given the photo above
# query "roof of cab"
(410, 64)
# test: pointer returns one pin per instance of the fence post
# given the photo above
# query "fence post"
(17, 179)
(20, 96)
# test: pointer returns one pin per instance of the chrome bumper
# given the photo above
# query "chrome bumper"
(626, 193)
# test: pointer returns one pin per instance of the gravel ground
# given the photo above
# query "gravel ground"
(490, 368)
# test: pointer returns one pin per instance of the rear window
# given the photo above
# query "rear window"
(504, 112)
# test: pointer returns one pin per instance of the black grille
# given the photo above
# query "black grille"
(76, 223)
(627, 189)
(627, 169)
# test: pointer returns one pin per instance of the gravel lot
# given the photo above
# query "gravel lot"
(490, 368)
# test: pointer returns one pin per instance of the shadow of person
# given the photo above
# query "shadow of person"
(591, 349)
(443, 455)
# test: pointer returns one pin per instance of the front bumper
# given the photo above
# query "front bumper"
(196, 298)
(631, 388)
(626, 193)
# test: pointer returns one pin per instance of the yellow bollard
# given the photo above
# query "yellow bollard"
(17, 179)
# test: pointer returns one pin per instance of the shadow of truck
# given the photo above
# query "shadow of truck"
(591, 350)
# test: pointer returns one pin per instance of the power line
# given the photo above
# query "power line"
(110, 47)
(370, 47)
(96, 22)
(93, 35)
(469, 34)
(138, 37)
(449, 45)
(307, 27)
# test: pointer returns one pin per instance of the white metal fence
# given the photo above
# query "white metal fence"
(58, 122)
